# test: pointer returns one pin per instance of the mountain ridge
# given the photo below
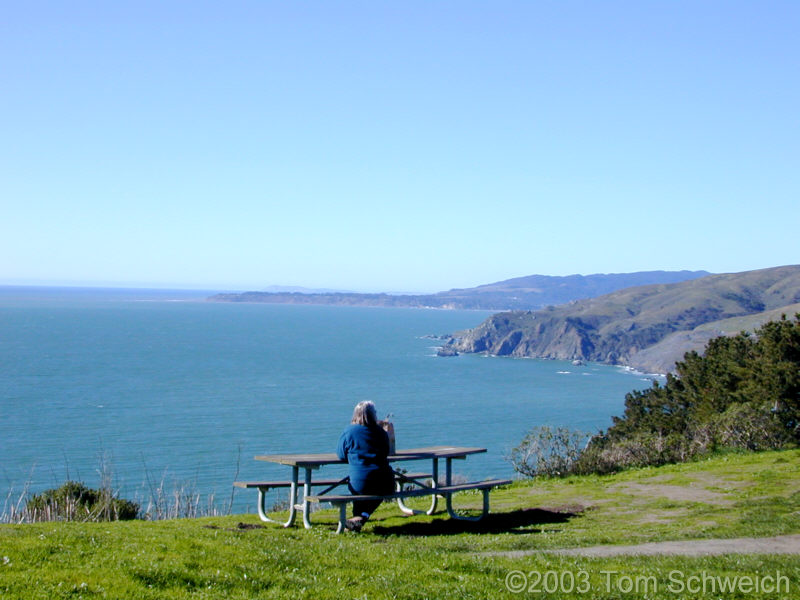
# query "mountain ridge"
(619, 327)
(519, 293)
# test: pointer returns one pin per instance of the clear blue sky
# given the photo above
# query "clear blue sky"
(404, 146)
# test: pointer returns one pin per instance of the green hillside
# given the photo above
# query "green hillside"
(531, 526)
(618, 328)
(661, 357)
(747, 323)
(530, 292)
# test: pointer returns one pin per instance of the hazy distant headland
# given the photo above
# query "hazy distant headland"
(521, 293)
(646, 327)
(647, 320)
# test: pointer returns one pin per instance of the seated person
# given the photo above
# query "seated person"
(365, 447)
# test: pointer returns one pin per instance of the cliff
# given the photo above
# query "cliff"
(646, 327)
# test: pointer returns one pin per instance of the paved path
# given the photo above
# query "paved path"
(781, 544)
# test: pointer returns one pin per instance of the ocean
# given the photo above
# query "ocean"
(161, 386)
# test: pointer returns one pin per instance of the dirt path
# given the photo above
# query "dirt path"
(781, 544)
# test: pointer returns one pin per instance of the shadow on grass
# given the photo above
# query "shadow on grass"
(239, 526)
(518, 521)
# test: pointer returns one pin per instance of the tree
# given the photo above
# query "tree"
(743, 392)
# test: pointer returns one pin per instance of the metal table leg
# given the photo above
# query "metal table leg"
(306, 504)
(262, 502)
(434, 498)
(448, 477)
(435, 477)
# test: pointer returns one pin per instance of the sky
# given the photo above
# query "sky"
(394, 146)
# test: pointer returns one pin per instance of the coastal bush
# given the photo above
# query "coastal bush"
(749, 427)
(545, 451)
(73, 501)
(743, 393)
(157, 499)
(639, 450)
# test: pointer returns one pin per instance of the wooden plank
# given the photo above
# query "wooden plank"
(436, 452)
(351, 498)
(258, 484)
(329, 458)
(315, 482)
(403, 476)
(475, 485)
(302, 460)
(277, 484)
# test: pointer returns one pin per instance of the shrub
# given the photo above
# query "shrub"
(750, 427)
(545, 451)
(639, 450)
(743, 393)
(73, 501)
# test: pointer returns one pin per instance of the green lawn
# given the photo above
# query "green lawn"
(422, 557)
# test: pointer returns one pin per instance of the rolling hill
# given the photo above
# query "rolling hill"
(521, 293)
(647, 327)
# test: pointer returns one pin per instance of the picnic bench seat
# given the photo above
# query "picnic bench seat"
(418, 484)
(329, 484)
(271, 485)
(341, 501)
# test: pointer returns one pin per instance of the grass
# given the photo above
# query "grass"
(736, 495)
(749, 322)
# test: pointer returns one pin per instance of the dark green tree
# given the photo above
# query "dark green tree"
(743, 392)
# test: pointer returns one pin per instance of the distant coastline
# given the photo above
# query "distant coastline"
(647, 328)
(521, 293)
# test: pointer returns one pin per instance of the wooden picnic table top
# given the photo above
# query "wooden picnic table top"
(330, 458)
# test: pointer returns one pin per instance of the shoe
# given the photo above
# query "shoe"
(354, 524)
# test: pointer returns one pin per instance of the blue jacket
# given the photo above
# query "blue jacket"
(365, 449)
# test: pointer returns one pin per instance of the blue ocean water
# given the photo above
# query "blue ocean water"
(162, 385)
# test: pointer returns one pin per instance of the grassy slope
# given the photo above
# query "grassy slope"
(749, 322)
(615, 327)
(399, 557)
(661, 357)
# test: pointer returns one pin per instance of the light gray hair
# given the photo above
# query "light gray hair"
(365, 414)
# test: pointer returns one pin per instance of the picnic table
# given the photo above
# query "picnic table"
(407, 484)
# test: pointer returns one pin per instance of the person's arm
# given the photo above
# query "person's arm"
(343, 446)
(383, 452)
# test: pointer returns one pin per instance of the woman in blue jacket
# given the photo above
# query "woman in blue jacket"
(365, 447)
